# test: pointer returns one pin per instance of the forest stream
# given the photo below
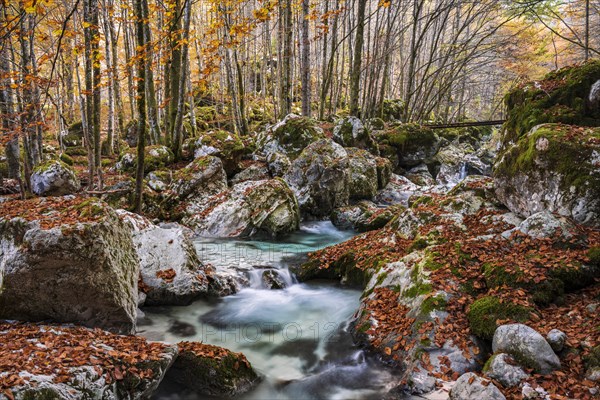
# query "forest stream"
(297, 337)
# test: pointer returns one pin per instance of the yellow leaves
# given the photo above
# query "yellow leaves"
(86, 25)
(385, 3)
(31, 9)
(261, 14)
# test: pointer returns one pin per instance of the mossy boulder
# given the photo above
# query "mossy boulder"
(54, 178)
(351, 132)
(248, 208)
(320, 178)
(74, 135)
(362, 168)
(290, 136)
(155, 157)
(484, 313)
(202, 178)
(364, 216)
(568, 96)
(74, 264)
(413, 144)
(393, 109)
(212, 371)
(556, 168)
(225, 145)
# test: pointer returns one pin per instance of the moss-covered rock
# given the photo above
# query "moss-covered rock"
(320, 178)
(227, 146)
(563, 96)
(75, 264)
(248, 208)
(393, 109)
(553, 167)
(54, 178)
(290, 136)
(484, 313)
(213, 371)
(155, 157)
(351, 132)
(414, 144)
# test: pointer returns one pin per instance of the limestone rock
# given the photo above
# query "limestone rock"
(247, 208)
(351, 132)
(527, 346)
(54, 178)
(471, 387)
(170, 270)
(556, 339)
(83, 271)
(505, 372)
(320, 178)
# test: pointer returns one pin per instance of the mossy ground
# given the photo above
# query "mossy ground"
(484, 313)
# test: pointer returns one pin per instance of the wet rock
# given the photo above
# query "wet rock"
(54, 178)
(213, 371)
(350, 132)
(471, 387)
(397, 191)
(527, 346)
(556, 339)
(55, 268)
(546, 170)
(182, 329)
(320, 178)
(272, 280)
(457, 161)
(246, 209)
(170, 271)
(502, 368)
(420, 176)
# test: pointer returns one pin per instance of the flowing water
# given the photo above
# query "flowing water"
(297, 338)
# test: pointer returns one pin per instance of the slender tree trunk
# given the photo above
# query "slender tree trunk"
(285, 86)
(181, 84)
(175, 72)
(305, 60)
(357, 59)
(140, 23)
(88, 125)
(153, 120)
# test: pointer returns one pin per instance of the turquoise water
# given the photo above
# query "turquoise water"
(297, 337)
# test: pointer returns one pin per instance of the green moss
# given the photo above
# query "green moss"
(557, 98)
(423, 200)
(40, 394)
(594, 256)
(408, 137)
(420, 288)
(488, 363)
(297, 133)
(76, 151)
(418, 244)
(66, 159)
(569, 158)
(592, 360)
(484, 313)
(433, 303)
(364, 327)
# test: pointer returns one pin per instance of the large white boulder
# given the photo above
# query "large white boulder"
(54, 178)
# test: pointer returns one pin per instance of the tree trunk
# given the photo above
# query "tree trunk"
(141, 103)
(305, 60)
(357, 59)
